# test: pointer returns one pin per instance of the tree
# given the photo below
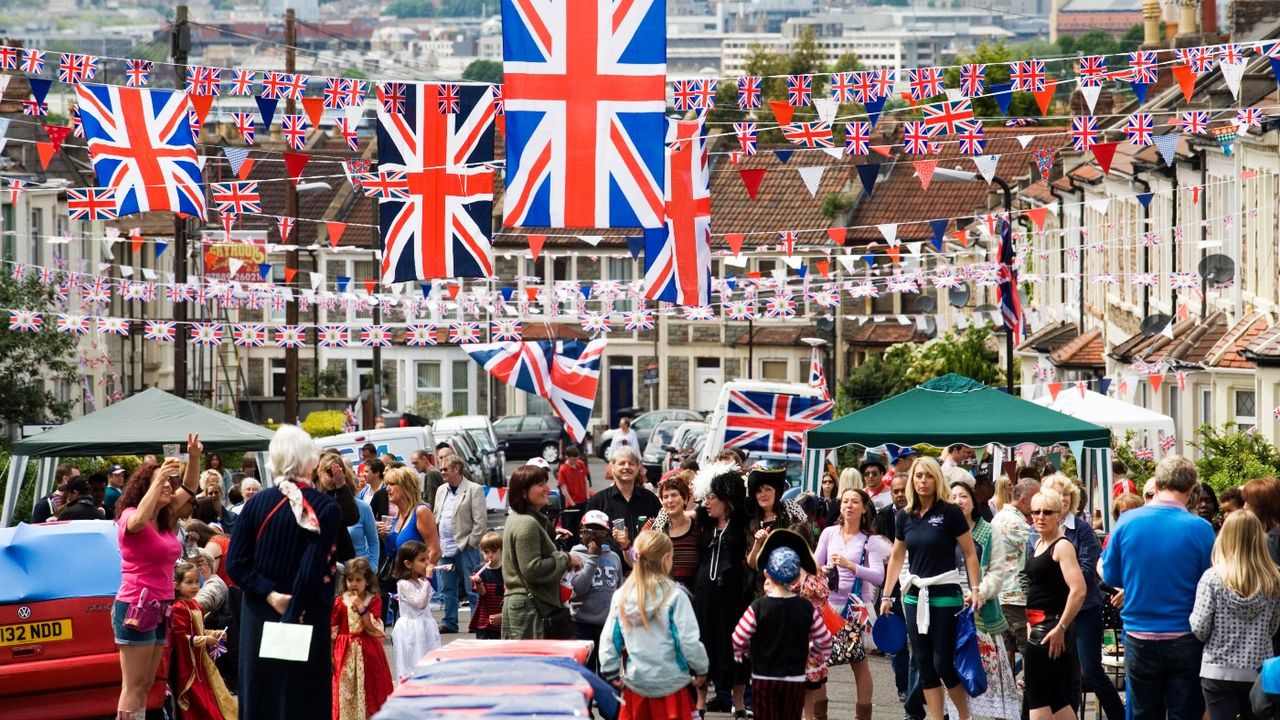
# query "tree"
(410, 8)
(997, 56)
(1132, 39)
(489, 71)
(27, 360)
(1230, 457)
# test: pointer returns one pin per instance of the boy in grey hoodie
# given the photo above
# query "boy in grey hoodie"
(593, 585)
(1236, 632)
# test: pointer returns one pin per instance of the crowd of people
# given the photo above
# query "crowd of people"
(702, 590)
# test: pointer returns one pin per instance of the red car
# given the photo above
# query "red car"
(58, 655)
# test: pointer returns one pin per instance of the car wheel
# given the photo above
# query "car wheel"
(550, 453)
(603, 451)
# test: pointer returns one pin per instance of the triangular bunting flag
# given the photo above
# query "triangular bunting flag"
(1104, 152)
(592, 240)
(986, 165)
(868, 174)
(1099, 205)
(161, 246)
(939, 228)
(264, 270)
(894, 253)
(1168, 147)
(812, 177)
(245, 168)
(136, 240)
(266, 110)
(823, 267)
(1186, 80)
(826, 108)
(782, 111)
(885, 150)
(1025, 140)
(874, 108)
(1004, 95)
(1104, 384)
(201, 104)
(1139, 91)
(838, 235)
(1145, 198)
(289, 274)
(235, 157)
(1275, 68)
(535, 245)
(1232, 73)
(1054, 389)
(635, 243)
(784, 156)
(39, 88)
(735, 241)
(751, 178)
(47, 151)
(1037, 215)
(1044, 97)
(370, 286)
(924, 171)
(314, 108)
(890, 233)
(294, 164)
(1155, 379)
(1090, 93)
(914, 248)
(335, 231)
(57, 134)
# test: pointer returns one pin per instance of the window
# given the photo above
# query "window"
(1245, 414)
(38, 240)
(461, 386)
(429, 387)
(774, 370)
(1206, 405)
(9, 249)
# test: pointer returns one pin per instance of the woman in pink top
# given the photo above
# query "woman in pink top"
(146, 520)
(859, 558)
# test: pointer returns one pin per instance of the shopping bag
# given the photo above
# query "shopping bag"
(285, 641)
(968, 655)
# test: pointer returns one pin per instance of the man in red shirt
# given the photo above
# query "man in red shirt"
(574, 480)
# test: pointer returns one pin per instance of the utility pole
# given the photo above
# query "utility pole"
(291, 256)
(377, 320)
(179, 47)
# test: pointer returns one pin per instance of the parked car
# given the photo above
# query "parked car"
(469, 451)
(644, 424)
(655, 455)
(399, 441)
(58, 655)
(530, 436)
(492, 450)
(682, 443)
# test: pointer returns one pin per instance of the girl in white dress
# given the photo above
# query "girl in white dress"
(415, 633)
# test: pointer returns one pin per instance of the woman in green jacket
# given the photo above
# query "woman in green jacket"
(531, 565)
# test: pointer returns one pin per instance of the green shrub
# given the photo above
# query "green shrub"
(323, 423)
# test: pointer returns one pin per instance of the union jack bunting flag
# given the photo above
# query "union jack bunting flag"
(857, 138)
(698, 313)
(208, 334)
(91, 203)
(73, 324)
(1084, 132)
(809, 134)
(375, 336)
(565, 373)
(161, 331)
(347, 128)
(1249, 117)
(1142, 66)
(96, 292)
(864, 86)
(772, 422)
(682, 94)
(294, 128)
(705, 94)
(799, 90)
(885, 79)
(180, 293)
(1093, 70)
(112, 326)
(506, 330)
(335, 93)
(290, 336)
(924, 83)
(637, 320)
(595, 323)
(442, 229)
(464, 333)
(1044, 161)
(787, 239)
(740, 310)
(137, 73)
(141, 144)
(242, 82)
(1184, 281)
(749, 92)
(295, 86)
(972, 79)
(1199, 59)
(817, 375)
(203, 80)
(8, 58)
(677, 256)
(1167, 442)
(447, 101)
(391, 97)
(74, 68)
(249, 335)
(780, 306)
(236, 197)
(916, 138)
(1139, 128)
(1231, 54)
(1027, 75)
(32, 61)
(332, 336)
(420, 334)
(499, 105)
(944, 116)
(24, 320)
(384, 185)
(585, 96)
(746, 134)
(244, 123)
(273, 85)
(1195, 122)
(842, 87)
(35, 108)
(970, 137)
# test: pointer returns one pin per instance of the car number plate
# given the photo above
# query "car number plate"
(35, 632)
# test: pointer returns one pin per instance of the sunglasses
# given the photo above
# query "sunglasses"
(1044, 512)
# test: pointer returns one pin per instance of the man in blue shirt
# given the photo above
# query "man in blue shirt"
(1157, 554)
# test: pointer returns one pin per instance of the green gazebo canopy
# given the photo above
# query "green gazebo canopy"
(144, 423)
(956, 409)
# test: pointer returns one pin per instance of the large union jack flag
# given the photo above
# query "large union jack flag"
(442, 229)
(772, 422)
(566, 373)
(677, 256)
(141, 144)
(1007, 290)
(585, 95)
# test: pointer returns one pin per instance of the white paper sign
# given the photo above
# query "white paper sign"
(285, 641)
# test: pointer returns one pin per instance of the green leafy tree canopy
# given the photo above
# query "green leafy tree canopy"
(1231, 457)
(27, 360)
(489, 71)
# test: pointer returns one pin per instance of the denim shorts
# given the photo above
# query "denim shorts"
(159, 635)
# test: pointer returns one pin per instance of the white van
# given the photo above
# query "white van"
(774, 442)
(400, 442)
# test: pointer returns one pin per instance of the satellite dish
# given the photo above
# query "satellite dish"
(924, 304)
(1153, 324)
(1217, 269)
(825, 324)
(930, 327)
(958, 297)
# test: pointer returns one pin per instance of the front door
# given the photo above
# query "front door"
(621, 392)
(708, 381)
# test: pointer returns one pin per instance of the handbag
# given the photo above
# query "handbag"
(847, 645)
(557, 621)
(969, 655)
(146, 614)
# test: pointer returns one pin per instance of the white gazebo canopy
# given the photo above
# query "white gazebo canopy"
(1108, 412)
